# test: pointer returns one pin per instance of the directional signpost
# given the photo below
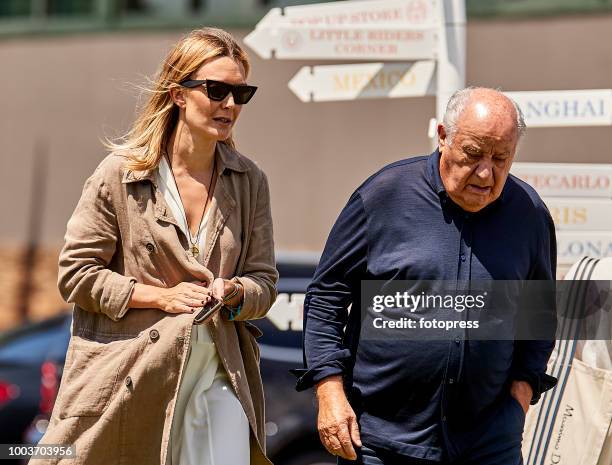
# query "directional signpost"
(567, 179)
(368, 80)
(557, 108)
(579, 198)
(573, 245)
(419, 49)
(387, 29)
(395, 33)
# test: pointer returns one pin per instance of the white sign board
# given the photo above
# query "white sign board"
(575, 214)
(368, 80)
(343, 43)
(565, 107)
(385, 29)
(287, 312)
(567, 179)
(571, 245)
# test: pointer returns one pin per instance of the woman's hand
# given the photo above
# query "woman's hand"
(221, 288)
(182, 298)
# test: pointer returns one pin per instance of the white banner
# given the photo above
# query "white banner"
(572, 245)
(379, 30)
(565, 107)
(567, 179)
(360, 81)
(575, 214)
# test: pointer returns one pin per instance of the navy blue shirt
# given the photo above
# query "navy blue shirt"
(426, 399)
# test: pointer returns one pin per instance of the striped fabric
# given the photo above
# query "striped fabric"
(551, 434)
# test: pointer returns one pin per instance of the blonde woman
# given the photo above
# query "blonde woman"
(173, 218)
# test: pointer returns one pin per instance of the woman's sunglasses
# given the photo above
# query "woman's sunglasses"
(217, 90)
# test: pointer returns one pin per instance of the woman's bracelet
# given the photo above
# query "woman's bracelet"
(236, 292)
(233, 311)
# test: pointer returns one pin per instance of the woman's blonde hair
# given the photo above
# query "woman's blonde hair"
(145, 142)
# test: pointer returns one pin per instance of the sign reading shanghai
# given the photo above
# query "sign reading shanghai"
(367, 80)
(567, 179)
(565, 107)
(387, 29)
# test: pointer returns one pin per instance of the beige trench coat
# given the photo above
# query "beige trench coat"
(123, 366)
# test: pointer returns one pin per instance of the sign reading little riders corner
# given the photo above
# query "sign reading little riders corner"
(371, 29)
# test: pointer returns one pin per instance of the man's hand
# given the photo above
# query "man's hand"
(337, 423)
(522, 392)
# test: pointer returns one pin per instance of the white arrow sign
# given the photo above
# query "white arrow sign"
(567, 179)
(389, 30)
(420, 13)
(580, 214)
(573, 245)
(565, 107)
(369, 80)
(343, 43)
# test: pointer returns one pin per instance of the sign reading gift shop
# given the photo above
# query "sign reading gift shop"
(372, 29)
(567, 179)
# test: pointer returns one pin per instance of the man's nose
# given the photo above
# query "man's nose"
(484, 170)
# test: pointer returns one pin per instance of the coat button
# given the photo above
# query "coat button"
(462, 256)
(154, 335)
(451, 381)
(150, 247)
(128, 381)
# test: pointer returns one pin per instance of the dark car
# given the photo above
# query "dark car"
(31, 359)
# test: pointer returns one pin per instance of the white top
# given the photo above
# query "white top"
(167, 186)
(209, 425)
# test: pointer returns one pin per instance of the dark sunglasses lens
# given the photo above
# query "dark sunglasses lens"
(217, 90)
(242, 94)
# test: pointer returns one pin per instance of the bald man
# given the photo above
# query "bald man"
(455, 215)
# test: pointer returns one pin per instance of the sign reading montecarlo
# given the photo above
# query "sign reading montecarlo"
(565, 107)
(387, 29)
(567, 179)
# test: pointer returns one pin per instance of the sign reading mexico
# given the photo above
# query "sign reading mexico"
(565, 107)
(369, 29)
(367, 80)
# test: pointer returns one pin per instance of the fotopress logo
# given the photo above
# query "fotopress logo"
(424, 301)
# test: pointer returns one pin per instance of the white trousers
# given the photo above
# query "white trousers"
(209, 426)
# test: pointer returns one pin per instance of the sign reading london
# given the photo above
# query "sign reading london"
(370, 29)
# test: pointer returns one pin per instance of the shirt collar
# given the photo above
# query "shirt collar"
(433, 173)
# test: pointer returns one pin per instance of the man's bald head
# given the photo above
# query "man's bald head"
(482, 102)
(477, 144)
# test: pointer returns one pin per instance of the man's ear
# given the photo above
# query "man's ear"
(441, 136)
(177, 94)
